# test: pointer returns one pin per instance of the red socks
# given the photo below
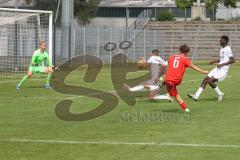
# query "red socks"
(183, 105)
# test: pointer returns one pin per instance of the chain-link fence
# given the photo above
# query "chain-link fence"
(105, 42)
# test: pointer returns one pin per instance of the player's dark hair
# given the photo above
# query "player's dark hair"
(184, 48)
(226, 38)
(156, 52)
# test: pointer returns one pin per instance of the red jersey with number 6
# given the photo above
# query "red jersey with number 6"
(177, 65)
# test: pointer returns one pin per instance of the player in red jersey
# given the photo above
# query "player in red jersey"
(177, 65)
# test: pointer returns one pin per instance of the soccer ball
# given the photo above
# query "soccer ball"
(142, 63)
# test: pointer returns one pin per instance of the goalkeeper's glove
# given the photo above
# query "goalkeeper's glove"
(55, 68)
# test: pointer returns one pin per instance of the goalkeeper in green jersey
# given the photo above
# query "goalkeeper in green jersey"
(37, 66)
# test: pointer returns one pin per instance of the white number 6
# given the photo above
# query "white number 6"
(176, 62)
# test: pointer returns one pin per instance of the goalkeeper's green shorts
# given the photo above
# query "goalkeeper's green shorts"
(37, 69)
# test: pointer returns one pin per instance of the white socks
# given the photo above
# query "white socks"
(218, 91)
(141, 87)
(199, 91)
(136, 88)
(162, 97)
(153, 87)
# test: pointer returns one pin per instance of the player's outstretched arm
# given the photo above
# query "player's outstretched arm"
(196, 68)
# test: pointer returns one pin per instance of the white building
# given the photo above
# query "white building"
(228, 13)
(122, 13)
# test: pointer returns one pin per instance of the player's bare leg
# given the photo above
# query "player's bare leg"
(211, 81)
(181, 103)
(216, 88)
(24, 79)
(49, 71)
(200, 89)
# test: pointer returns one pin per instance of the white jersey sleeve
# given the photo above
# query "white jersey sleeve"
(150, 60)
(162, 62)
(157, 60)
(229, 52)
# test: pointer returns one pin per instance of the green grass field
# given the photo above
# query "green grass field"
(30, 130)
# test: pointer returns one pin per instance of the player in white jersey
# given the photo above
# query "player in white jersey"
(154, 61)
(219, 73)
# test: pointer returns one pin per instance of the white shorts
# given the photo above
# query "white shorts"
(218, 73)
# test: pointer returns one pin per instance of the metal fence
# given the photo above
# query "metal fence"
(106, 42)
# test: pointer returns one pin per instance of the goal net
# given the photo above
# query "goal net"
(20, 34)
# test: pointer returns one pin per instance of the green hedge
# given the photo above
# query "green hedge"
(165, 16)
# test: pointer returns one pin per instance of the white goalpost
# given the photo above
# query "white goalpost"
(21, 30)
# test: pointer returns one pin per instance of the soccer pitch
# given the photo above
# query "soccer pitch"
(30, 130)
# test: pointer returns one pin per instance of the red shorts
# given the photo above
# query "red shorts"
(171, 88)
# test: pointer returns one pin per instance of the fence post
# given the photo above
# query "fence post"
(121, 49)
(230, 36)
(235, 32)
(154, 39)
(134, 44)
(162, 43)
(195, 57)
(69, 42)
(172, 43)
(110, 37)
(54, 46)
(84, 43)
(74, 41)
(144, 41)
(98, 46)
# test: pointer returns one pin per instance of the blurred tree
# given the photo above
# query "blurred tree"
(212, 5)
(84, 10)
(50, 5)
(184, 4)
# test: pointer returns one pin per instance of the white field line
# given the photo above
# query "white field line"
(122, 143)
(74, 97)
